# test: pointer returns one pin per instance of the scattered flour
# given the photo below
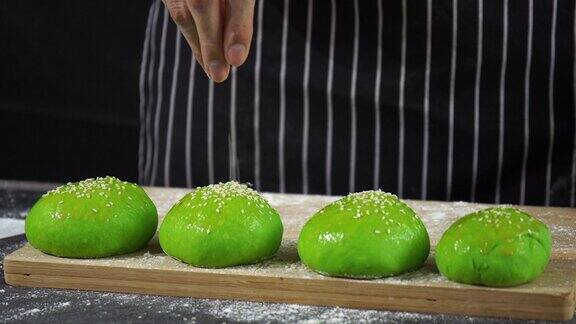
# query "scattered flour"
(34, 304)
(11, 227)
(437, 216)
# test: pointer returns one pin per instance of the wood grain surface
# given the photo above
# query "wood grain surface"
(285, 279)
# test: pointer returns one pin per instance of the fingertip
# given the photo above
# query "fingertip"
(236, 54)
(218, 71)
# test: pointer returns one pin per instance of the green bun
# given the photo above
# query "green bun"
(497, 247)
(91, 219)
(221, 225)
(370, 234)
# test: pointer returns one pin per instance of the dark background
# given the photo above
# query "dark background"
(69, 88)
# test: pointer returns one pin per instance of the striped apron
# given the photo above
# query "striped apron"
(429, 99)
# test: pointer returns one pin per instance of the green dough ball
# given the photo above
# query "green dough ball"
(221, 225)
(92, 218)
(498, 247)
(370, 234)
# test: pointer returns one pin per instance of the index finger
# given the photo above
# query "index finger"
(207, 15)
(183, 19)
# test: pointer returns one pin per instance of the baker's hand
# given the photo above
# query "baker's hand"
(218, 31)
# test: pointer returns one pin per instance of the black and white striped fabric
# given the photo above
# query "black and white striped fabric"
(433, 99)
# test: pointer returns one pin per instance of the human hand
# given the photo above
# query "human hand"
(218, 31)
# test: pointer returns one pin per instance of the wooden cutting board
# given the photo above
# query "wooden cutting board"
(285, 279)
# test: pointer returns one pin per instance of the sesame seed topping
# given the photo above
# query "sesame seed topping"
(91, 186)
(374, 203)
(218, 196)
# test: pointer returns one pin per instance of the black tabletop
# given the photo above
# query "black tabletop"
(56, 305)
